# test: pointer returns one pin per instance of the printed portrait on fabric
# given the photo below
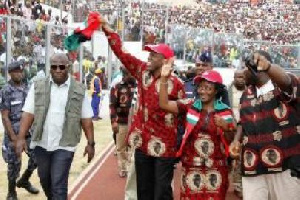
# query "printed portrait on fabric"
(156, 147)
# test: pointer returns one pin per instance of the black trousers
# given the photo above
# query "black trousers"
(154, 176)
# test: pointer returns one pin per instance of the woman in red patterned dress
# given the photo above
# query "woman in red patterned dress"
(204, 147)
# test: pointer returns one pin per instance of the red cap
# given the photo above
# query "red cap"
(210, 75)
(163, 49)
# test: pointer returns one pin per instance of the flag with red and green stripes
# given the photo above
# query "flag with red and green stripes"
(192, 118)
(73, 41)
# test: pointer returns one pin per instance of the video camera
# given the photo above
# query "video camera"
(249, 62)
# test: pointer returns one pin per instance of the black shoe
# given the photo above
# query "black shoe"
(95, 119)
(12, 196)
(23, 182)
(27, 186)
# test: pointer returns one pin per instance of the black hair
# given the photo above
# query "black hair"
(220, 90)
(124, 70)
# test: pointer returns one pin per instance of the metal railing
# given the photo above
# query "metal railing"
(35, 42)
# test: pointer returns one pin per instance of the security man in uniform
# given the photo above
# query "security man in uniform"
(96, 90)
(13, 97)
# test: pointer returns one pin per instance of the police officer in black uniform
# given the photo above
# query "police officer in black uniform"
(12, 100)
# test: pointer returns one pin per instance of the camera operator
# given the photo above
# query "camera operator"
(269, 112)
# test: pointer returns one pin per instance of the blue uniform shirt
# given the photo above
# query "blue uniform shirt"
(189, 87)
(13, 99)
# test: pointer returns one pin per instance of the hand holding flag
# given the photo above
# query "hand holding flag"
(224, 121)
(73, 41)
(221, 122)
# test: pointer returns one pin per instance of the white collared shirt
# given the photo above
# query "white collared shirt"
(236, 96)
(52, 130)
(267, 87)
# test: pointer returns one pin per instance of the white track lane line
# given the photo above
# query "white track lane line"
(88, 169)
(91, 175)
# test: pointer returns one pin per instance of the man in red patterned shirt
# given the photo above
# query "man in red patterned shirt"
(153, 131)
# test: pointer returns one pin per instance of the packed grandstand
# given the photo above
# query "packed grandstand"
(229, 28)
(274, 21)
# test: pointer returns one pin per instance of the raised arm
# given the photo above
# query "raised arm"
(132, 63)
(275, 72)
(164, 103)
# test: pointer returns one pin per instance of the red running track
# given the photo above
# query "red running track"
(102, 182)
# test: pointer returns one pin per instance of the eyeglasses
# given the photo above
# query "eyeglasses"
(61, 67)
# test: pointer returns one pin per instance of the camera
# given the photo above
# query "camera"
(249, 62)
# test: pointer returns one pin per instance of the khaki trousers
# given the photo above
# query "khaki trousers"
(278, 186)
(130, 188)
(122, 156)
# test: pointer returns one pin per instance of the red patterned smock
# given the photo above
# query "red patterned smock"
(153, 130)
(205, 171)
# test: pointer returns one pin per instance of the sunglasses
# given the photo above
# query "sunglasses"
(61, 67)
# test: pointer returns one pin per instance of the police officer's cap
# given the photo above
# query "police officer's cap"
(205, 57)
(15, 65)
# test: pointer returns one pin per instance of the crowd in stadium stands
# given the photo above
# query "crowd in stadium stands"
(28, 41)
(268, 21)
(267, 24)
(28, 37)
(33, 10)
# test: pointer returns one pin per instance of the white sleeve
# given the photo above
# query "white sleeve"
(29, 102)
(86, 111)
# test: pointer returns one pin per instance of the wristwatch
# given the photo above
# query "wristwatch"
(92, 144)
